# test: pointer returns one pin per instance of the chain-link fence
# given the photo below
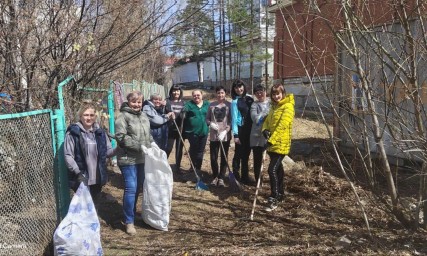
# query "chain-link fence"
(28, 211)
(33, 197)
(74, 99)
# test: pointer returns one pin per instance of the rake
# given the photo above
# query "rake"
(199, 184)
(235, 185)
(258, 185)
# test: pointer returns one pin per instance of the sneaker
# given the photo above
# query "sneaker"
(214, 182)
(221, 183)
(130, 229)
(271, 207)
(272, 204)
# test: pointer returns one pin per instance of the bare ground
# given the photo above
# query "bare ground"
(318, 212)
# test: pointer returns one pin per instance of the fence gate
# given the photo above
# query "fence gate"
(28, 208)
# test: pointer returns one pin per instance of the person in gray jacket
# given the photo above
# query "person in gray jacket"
(159, 118)
(132, 131)
(259, 111)
(86, 148)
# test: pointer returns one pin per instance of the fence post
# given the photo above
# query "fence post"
(61, 172)
(61, 96)
(111, 105)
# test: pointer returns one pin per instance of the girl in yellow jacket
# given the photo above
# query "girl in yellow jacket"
(277, 129)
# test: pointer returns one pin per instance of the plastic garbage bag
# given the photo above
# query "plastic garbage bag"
(79, 232)
(157, 189)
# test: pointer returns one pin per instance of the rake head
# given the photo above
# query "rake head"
(234, 184)
(201, 186)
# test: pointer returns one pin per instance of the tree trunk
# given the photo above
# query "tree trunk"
(223, 45)
(215, 52)
(251, 71)
(423, 188)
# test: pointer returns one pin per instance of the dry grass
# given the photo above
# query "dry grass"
(319, 210)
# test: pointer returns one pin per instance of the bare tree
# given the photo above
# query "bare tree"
(42, 42)
(379, 99)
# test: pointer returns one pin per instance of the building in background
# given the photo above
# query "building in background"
(306, 57)
(304, 50)
(236, 50)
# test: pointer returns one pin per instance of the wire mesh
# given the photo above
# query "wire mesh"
(73, 101)
(27, 191)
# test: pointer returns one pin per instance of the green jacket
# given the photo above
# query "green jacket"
(132, 131)
(195, 118)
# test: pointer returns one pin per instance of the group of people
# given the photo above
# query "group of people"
(255, 125)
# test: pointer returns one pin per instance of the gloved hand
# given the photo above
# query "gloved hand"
(81, 178)
(221, 135)
(214, 126)
(266, 134)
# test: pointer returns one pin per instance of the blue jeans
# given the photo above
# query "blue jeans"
(133, 176)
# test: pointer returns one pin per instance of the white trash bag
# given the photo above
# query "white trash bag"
(79, 232)
(157, 189)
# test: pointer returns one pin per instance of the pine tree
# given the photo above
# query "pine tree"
(196, 34)
(246, 34)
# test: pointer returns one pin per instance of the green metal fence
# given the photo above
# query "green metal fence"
(73, 96)
(104, 98)
(34, 192)
(147, 89)
(28, 183)
(67, 114)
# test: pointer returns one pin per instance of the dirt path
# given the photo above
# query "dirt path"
(319, 210)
